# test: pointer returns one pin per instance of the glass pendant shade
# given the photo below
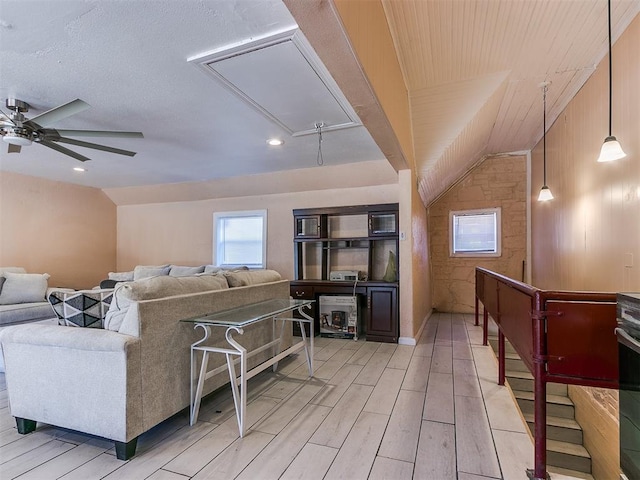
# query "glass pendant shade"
(611, 150)
(545, 194)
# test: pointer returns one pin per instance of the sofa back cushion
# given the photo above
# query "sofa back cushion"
(151, 288)
(180, 271)
(121, 276)
(9, 269)
(243, 278)
(12, 270)
(23, 288)
(146, 271)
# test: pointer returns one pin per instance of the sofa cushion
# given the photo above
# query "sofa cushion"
(127, 293)
(82, 308)
(242, 278)
(121, 276)
(23, 288)
(146, 271)
(179, 271)
(25, 312)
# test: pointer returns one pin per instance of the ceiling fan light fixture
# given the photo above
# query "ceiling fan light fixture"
(611, 150)
(18, 139)
(79, 169)
(275, 142)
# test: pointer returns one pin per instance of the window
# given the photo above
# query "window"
(475, 233)
(240, 238)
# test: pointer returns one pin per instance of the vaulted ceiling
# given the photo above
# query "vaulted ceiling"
(471, 71)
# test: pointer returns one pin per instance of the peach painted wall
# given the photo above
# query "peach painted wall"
(497, 182)
(588, 236)
(182, 232)
(65, 230)
(415, 291)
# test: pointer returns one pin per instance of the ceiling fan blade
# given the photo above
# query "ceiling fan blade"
(6, 118)
(59, 113)
(14, 148)
(95, 146)
(64, 150)
(99, 133)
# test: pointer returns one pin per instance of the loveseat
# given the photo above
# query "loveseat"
(23, 296)
(120, 381)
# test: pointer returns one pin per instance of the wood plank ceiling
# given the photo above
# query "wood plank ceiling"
(473, 68)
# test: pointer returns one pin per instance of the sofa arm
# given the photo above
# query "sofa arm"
(83, 379)
(66, 337)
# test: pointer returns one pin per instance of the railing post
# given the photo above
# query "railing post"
(485, 326)
(477, 307)
(501, 357)
(538, 318)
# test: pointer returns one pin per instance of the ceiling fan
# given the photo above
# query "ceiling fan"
(18, 131)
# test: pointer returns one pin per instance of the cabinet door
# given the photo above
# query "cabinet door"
(383, 223)
(382, 322)
(307, 226)
(305, 292)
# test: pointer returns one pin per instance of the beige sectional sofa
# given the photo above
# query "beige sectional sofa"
(120, 381)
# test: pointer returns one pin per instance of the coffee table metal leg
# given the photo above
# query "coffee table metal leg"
(239, 392)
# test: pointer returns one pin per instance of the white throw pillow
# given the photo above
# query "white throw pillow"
(23, 288)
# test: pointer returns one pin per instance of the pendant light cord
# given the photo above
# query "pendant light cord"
(544, 136)
(610, 63)
(319, 159)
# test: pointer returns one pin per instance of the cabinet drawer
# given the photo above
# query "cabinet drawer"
(304, 292)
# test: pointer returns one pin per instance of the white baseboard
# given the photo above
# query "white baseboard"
(414, 340)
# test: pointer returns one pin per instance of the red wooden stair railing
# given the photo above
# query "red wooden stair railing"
(562, 337)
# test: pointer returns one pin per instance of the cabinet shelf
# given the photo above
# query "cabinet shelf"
(360, 239)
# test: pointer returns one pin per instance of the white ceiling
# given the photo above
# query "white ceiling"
(472, 69)
(129, 61)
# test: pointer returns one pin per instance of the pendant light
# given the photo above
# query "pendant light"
(545, 193)
(611, 149)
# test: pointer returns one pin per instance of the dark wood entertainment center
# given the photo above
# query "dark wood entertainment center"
(350, 239)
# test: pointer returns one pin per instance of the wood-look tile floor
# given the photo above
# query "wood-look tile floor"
(372, 410)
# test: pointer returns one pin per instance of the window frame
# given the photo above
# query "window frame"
(218, 216)
(497, 211)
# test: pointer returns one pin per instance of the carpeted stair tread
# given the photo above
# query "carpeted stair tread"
(557, 399)
(568, 473)
(567, 448)
(555, 421)
(519, 374)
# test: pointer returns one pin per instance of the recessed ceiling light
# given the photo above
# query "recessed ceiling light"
(275, 142)
(79, 169)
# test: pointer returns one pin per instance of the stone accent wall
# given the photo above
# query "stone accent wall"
(499, 181)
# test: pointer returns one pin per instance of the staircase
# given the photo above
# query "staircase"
(565, 452)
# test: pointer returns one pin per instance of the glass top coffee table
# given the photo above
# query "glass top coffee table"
(278, 311)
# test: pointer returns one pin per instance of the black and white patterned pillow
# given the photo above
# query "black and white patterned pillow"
(82, 308)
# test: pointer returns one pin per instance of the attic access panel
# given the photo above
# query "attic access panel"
(282, 78)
